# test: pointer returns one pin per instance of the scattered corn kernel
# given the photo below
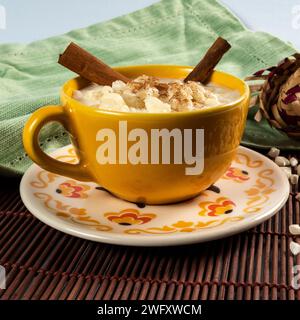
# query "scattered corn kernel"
(282, 161)
(274, 152)
(294, 229)
(295, 248)
(293, 162)
(294, 178)
(287, 171)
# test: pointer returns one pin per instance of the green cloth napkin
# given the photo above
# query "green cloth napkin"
(169, 32)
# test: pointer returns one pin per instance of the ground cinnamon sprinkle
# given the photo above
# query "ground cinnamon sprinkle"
(150, 94)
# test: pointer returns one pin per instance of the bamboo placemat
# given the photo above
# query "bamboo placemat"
(42, 263)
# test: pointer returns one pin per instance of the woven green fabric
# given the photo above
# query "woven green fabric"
(170, 32)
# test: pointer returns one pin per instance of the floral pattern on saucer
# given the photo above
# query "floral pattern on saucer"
(248, 193)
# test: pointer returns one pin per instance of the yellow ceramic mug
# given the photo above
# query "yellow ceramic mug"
(150, 183)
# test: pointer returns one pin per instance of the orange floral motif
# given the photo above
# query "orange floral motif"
(215, 208)
(70, 157)
(76, 215)
(129, 217)
(185, 226)
(44, 178)
(236, 175)
(259, 193)
(244, 159)
(72, 189)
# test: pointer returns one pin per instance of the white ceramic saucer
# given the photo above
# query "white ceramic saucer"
(250, 192)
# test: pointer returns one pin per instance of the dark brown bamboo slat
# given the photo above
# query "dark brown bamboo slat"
(42, 263)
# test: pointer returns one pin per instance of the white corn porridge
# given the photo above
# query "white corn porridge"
(154, 95)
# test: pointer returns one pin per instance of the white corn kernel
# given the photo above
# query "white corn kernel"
(294, 229)
(294, 178)
(293, 162)
(155, 105)
(287, 171)
(282, 161)
(295, 248)
(274, 152)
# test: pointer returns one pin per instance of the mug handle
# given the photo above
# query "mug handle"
(31, 144)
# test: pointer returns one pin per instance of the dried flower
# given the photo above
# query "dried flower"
(279, 96)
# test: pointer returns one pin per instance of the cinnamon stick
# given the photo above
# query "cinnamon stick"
(88, 66)
(205, 67)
